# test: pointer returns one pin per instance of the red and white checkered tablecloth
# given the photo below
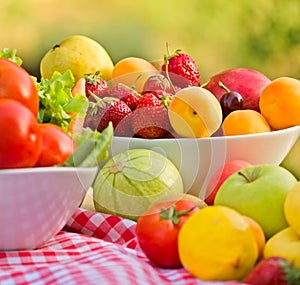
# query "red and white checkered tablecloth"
(93, 248)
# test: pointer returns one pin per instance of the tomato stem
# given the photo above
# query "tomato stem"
(172, 215)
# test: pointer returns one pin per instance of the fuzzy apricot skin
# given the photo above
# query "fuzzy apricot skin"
(280, 103)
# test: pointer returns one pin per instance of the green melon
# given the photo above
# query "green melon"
(132, 180)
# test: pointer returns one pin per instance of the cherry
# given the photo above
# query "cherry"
(230, 102)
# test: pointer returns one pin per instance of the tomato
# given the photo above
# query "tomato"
(16, 83)
(21, 140)
(157, 231)
(57, 145)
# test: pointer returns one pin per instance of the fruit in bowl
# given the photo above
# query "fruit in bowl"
(37, 202)
(147, 120)
(199, 158)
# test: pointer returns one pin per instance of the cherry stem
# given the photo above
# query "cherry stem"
(224, 86)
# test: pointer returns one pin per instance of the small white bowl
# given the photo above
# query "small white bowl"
(198, 159)
(36, 203)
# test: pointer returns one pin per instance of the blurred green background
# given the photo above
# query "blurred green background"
(218, 34)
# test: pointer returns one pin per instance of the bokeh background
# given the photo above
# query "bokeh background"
(219, 34)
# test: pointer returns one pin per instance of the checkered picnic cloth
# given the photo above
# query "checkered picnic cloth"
(93, 248)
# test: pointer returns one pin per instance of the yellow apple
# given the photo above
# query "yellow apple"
(292, 208)
(195, 112)
(285, 243)
(80, 54)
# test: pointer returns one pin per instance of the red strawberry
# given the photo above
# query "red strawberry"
(125, 93)
(181, 69)
(108, 109)
(94, 84)
(158, 84)
(150, 118)
(274, 271)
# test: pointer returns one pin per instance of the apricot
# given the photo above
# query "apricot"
(133, 71)
(243, 122)
(195, 112)
(280, 103)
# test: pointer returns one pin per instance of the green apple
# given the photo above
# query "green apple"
(259, 192)
(292, 160)
(80, 54)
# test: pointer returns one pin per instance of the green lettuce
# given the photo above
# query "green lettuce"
(11, 55)
(57, 104)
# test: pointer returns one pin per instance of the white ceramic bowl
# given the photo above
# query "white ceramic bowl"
(198, 159)
(36, 203)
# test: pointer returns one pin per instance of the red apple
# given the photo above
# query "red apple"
(221, 175)
(248, 82)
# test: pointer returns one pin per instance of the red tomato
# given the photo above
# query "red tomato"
(157, 231)
(21, 140)
(57, 145)
(16, 83)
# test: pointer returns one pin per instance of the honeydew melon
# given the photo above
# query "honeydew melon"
(132, 180)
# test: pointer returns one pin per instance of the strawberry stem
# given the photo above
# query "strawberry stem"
(291, 273)
(167, 57)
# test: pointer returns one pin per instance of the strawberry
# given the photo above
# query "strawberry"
(94, 84)
(108, 109)
(158, 84)
(150, 118)
(125, 93)
(274, 271)
(182, 69)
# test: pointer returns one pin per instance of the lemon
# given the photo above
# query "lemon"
(217, 243)
(80, 54)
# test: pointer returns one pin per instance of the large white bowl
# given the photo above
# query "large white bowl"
(36, 203)
(198, 159)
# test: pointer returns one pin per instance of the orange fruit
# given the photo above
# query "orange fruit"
(258, 233)
(243, 122)
(133, 71)
(280, 103)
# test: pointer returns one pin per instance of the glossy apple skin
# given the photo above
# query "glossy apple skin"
(248, 82)
(286, 243)
(221, 175)
(259, 192)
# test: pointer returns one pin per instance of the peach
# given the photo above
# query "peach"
(195, 112)
(242, 122)
(280, 103)
(133, 71)
(258, 233)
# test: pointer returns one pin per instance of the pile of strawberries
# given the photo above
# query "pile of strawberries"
(140, 114)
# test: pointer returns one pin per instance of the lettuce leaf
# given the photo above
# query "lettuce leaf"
(11, 55)
(57, 104)
(92, 147)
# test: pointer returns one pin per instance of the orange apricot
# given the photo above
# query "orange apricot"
(133, 71)
(243, 122)
(280, 103)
